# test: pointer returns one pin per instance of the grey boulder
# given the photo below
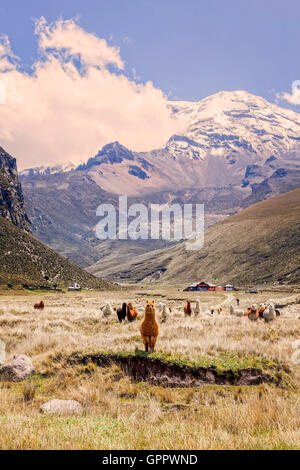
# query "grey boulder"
(61, 407)
(20, 368)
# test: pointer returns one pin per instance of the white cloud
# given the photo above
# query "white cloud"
(69, 39)
(294, 96)
(72, 103)
(7, 58)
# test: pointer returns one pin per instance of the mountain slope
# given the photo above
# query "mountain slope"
(25, 260)
(260, 244)
(11, 195)
(62, 208)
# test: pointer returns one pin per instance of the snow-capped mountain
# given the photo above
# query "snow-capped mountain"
(230, 138)
(229, 122)
(46, 170)
(237, 149)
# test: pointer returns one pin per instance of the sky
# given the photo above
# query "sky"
(76, 75)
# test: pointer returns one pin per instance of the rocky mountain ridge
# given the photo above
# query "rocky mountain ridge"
(12, 205)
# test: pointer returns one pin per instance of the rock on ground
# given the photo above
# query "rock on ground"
(20, 368)
(61, 407)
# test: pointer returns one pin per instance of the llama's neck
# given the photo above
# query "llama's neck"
(150, 315)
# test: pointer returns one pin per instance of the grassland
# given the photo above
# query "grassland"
(120, 413)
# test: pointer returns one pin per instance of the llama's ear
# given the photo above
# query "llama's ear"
(153, 302)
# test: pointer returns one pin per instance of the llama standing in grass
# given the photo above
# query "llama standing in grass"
(187, 309)
(237, 313)
(261, 310)
(269, 313)
(39, 306)
(121, 312)
(253, 313)
(107, 310)
(221, 311)
(210, 313)
(160, 306)
(149, 327)
(165, 313)
(197, 309)
(131, 312)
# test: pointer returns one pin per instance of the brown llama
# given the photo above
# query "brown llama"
(131, 312)
(188, 309)
(149, 327)
(253, 313)
(39, 305)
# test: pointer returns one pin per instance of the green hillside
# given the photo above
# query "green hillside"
(26, 261)
(260, 244)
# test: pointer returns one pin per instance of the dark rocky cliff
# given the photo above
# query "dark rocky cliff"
(11, 194)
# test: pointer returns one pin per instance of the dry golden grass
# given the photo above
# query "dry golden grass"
(121, 414)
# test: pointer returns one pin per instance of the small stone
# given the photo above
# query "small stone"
(20, 368)
(61, 407)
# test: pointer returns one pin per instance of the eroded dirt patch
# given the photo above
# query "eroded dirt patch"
(173, 374)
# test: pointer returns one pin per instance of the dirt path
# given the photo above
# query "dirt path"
(228, 299)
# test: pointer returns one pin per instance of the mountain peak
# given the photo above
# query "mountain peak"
(234, 121)
(112, 153)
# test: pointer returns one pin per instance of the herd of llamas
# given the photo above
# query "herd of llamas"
(149, 326)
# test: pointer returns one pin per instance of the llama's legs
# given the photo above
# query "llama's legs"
(152, 343)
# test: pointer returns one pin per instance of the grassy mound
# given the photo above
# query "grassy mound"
(169, 371)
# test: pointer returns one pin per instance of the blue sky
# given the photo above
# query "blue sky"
(189, 49)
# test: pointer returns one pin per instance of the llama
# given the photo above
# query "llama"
(160, 306)
(197, 309)
(131, 312)
(253, 313)
(261, 310)
(107, 310)
(39, 305)
(221, 311)
(149, 327)
(237, 313)
(121, 312)
(187, 309)
(269, 313)
(164, 313)
(209, 312)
